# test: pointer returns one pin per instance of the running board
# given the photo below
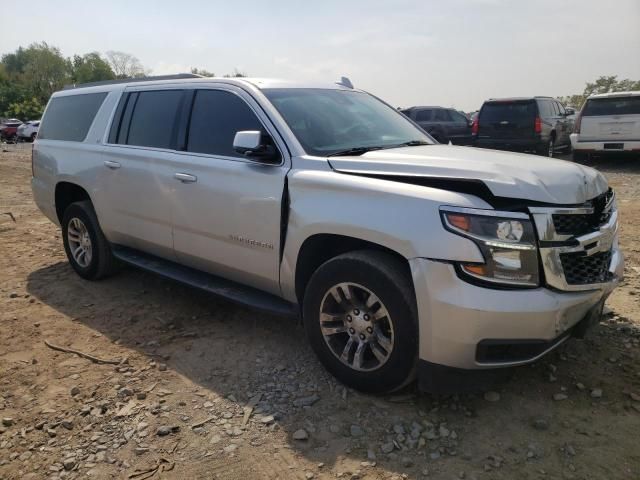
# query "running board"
(218, 286)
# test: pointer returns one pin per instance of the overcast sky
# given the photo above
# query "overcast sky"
(451, 53)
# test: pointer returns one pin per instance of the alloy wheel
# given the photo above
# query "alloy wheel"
(356, 326)
(79, 242)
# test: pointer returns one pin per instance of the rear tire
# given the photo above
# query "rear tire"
(548, 149)
(81, 233)
(376, 316)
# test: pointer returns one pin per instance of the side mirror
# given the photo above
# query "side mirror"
(570, 111)
(255, 145)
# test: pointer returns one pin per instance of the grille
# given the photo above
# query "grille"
(576, 225)
(572, 224)
(580, 269)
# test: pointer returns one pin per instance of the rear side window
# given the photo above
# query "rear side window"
(154, 119)
(509, 111)
(216, 117)
(424, 115)
(70, 117)
(546, 108)
(458, 117)
(442, 116)
(612, 106)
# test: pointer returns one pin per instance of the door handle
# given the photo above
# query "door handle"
(185, 177)
(111, 165)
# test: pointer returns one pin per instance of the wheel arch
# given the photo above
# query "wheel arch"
(318, 248)
(67, 193)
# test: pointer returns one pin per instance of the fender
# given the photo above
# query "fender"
(398, 216)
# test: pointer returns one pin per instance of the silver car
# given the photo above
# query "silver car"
(404, 258)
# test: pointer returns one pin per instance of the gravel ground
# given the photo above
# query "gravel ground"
(200, 388)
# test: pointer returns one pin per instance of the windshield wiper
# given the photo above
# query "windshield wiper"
(412, 143)
(355, 151)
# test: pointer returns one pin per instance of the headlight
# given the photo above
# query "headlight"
(506, 240)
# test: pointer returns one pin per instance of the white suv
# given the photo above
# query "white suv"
(402, 256)
(608, 122)
(28, 130)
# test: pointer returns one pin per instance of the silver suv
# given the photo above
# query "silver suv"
(403, 257)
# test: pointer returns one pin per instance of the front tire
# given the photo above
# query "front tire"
(87, 249)
(360, 316)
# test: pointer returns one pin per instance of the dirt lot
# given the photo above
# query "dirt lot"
(178, 403)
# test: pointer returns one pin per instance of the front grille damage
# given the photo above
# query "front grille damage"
(580, 269)
(577, 242)
(576, 225)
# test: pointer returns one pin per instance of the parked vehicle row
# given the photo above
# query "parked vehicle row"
(607, 123)
(535, 124)
(286, 196)
(13, 130)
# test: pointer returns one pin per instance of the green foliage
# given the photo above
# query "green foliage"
(604, 84)
(27, 109)
(90, 68)
(30, 75)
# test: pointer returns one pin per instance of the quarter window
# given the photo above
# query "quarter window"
(216, 117)
(154, 119)
(70, 117)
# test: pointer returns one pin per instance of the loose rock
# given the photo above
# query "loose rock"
(492, 396)
(300, 435)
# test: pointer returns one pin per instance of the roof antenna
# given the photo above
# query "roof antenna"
(345, 82)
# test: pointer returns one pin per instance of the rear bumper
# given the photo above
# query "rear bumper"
(628, 146)
(468, 327)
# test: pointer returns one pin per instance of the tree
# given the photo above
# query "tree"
(125, 65)
(39, 69)
(26, 109)
(604, 84)
(236, 74)
(203, 72)
(90, 67)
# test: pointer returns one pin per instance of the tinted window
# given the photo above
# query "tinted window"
(424, 115)
(561, 108)
(509, 111)
(458, 117)
(69, 118)
(546, 110)
(153, 119)
(441, 116)
(612, 106)
(216, 118)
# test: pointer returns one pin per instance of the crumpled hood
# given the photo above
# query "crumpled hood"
(506, 174)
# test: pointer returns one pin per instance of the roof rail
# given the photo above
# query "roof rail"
(177, 76)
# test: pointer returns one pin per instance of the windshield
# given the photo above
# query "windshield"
(327, 121)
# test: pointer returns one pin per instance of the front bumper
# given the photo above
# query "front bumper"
(457, 318)
(599, 146)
